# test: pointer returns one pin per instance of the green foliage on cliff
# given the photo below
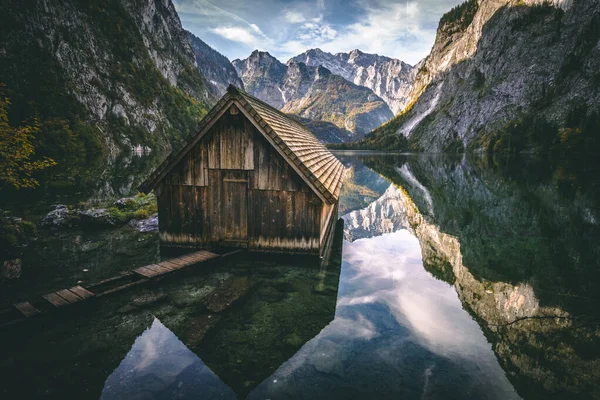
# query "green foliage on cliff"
(534, 134)
(116, 67)
(17, 152)
(459, 17)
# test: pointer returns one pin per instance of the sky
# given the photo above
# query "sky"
(285, 28)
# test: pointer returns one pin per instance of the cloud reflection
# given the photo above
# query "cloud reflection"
(396, 324)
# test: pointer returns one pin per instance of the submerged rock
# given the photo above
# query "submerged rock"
(11, 269)
(145, 225)
(190, 297)
(198, 327)
(230, 292)
(147, 298)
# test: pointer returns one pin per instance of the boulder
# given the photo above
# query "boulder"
(58, 217)
(96, 216)
(145, 225)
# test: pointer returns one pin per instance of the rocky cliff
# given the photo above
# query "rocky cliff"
(389, 78)
(101, 75)
(214, 66)
(508, 75)
(314, 93)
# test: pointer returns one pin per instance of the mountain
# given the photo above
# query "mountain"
(314, 93)
(100, 76)
(215, 67)
(388, 78)
(507, 76)
(262, 75)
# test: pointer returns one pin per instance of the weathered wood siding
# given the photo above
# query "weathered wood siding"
(235, 189)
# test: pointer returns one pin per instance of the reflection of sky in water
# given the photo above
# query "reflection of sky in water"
(398, 332)
(160, 366)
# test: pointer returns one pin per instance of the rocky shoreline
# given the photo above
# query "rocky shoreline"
(16, 234)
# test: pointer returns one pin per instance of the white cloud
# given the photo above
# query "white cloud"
(390, 29)
(294, 17)
(242, 35)
(404, 30)
(314, 31)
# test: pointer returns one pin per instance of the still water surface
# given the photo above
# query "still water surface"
(456, 279)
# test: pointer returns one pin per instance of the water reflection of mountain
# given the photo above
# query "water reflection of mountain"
(102, 178)
(521, 251)
(213, 334)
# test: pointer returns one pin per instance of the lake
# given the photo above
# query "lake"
(454, 277)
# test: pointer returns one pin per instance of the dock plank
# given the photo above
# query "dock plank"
(170, 264)
(27, 309)
(167, 266)
(148, 273)
(55, 300)
(158, 268)
(140, 275)
(179, 262)
(201, 256)
(68, 296)
(81, 292)
(208, 254)
(186, 259)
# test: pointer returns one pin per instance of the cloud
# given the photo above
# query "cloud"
(404, 30)
(390, 29)
(314, 31)
(239, 34)
(294, 17)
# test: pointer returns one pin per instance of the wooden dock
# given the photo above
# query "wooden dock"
(76, 294)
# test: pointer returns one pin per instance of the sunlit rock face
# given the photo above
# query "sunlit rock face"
(499, 60)
(261, 74)
(389, 78)
(479, 216)
(313, 92)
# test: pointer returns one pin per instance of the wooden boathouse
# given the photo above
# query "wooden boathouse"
(251, 177)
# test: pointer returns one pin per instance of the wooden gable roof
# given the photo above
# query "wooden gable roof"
(320, 169)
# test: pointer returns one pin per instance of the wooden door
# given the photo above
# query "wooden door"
(235, 208)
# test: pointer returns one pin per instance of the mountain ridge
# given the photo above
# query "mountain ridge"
(389, 78)
(312, 92)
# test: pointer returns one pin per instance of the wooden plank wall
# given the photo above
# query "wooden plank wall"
(230, 143)
(234, 186)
